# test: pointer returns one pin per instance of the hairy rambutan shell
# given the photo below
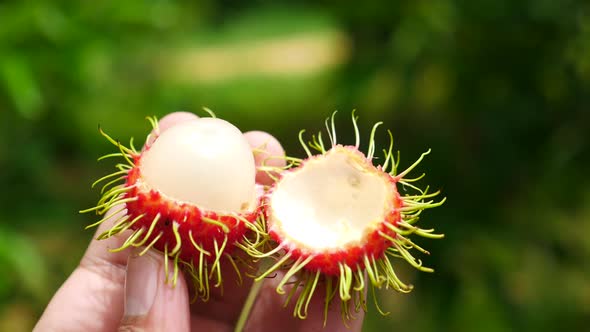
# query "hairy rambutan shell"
(338, 219)
(190, 193)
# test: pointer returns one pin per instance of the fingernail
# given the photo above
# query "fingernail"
(141, 284)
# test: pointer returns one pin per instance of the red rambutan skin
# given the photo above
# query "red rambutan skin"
(189, 218)
(373, 244)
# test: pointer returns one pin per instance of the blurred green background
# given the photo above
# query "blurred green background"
(499, 89)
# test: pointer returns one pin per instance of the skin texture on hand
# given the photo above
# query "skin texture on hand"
(125, 292)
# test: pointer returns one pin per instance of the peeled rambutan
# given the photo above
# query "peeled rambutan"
(337, 218)
(190, 193)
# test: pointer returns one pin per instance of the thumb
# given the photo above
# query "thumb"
(151, 304)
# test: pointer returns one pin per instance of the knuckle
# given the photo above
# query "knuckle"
(130, 324)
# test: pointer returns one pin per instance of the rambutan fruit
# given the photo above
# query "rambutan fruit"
(190, 194)
(337, 218)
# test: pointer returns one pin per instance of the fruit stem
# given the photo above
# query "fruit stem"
(247, 308)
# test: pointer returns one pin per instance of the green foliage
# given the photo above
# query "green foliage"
(500, 90)
(25, 268)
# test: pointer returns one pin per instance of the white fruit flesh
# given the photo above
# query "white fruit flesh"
(206, 161)
(331, 202)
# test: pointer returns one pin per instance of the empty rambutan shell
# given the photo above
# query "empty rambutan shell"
(338, 219)
(190, 193)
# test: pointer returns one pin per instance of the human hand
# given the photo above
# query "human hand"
(126, 292)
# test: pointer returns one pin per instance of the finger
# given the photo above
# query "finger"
(225, 304)
(267, 152)
(270, 314)
(152, 301)
(168, 121)
(91, 299)
(334, 320)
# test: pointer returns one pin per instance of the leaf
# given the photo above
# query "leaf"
(20, 84)
(23, 262)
